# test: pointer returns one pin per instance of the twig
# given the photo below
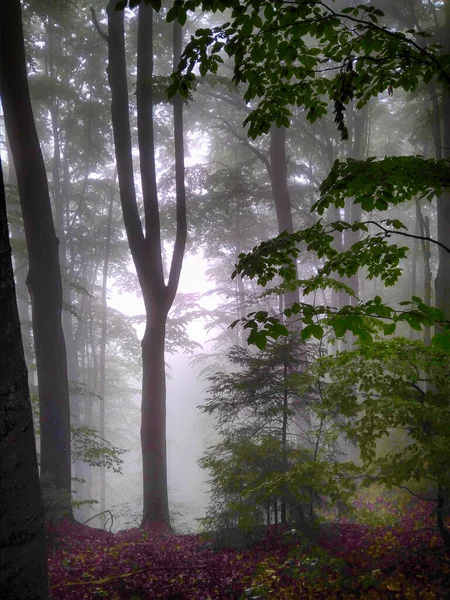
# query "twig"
(97, 25)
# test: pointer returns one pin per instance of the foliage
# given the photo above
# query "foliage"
(380, 184)
(306, 54)
(277, 443)
(374, 185)
(89, 447)
(275, 259)
(395, 385)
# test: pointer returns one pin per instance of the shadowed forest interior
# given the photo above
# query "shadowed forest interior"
(224, 299)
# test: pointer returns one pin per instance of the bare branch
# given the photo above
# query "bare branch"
(97, 25)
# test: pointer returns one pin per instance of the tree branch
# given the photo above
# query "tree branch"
(97, 25)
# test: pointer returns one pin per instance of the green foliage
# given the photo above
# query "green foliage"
(276, 259)
(277, 444)
(396, 385)
(89, 447)
(379, 184)
(304, 54)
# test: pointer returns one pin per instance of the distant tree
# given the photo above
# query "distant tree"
(23, 560)
(44, 276)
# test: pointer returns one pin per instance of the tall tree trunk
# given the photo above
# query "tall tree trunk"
(104, 324)
(44, 276)
(280, 190)
(23, 559)
(424, 232)
(442, 282)
(146, 249)
(20, 272)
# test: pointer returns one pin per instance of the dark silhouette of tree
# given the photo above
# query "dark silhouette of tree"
(44, 276)
(23, 559)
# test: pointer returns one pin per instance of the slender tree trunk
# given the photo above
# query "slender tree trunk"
(284, 432)
(104, 317)
(23, 558)
(146, 249)
(44, 276)
(424, 231)
(442, 281)
(280, 190)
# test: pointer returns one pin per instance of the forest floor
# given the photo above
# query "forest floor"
(393, 550)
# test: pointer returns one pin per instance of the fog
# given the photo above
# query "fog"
(151, 224)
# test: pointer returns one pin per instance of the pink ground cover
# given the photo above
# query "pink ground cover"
(351, 560)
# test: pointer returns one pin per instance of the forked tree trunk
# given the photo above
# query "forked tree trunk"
(23, 563)
(146, 248)
(44, 276)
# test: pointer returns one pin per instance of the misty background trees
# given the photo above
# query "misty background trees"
(130, 183)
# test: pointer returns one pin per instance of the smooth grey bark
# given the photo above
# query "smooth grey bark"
(283, 208)
(23, 557)
(146, 248)
(44, 276)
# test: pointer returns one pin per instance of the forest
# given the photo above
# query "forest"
(224, 299)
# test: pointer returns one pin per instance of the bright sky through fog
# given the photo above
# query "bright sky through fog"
(193, 280)
(193, 277)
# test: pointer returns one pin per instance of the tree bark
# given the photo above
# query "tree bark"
(280, 190)
(44, 276)
(146, 249)
(104, 317)
(442, 282)
(23, 559)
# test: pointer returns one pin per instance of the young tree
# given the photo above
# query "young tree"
(272, 461)
(44, 276)
(23, 561)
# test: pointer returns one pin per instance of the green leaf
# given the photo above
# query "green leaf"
(389, 329)
(313, 330)
(441, 341)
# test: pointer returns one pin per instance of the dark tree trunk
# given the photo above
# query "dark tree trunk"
(280, 190)
(20, 269)
(44, 276)
(23, 559)
(146, 249)
(442, 282)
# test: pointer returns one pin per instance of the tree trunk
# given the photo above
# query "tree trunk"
(44, 276)
(23, 559)
(104, 317)
(146, 249)
(442, 282)
(280, 190)
(153, 423)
